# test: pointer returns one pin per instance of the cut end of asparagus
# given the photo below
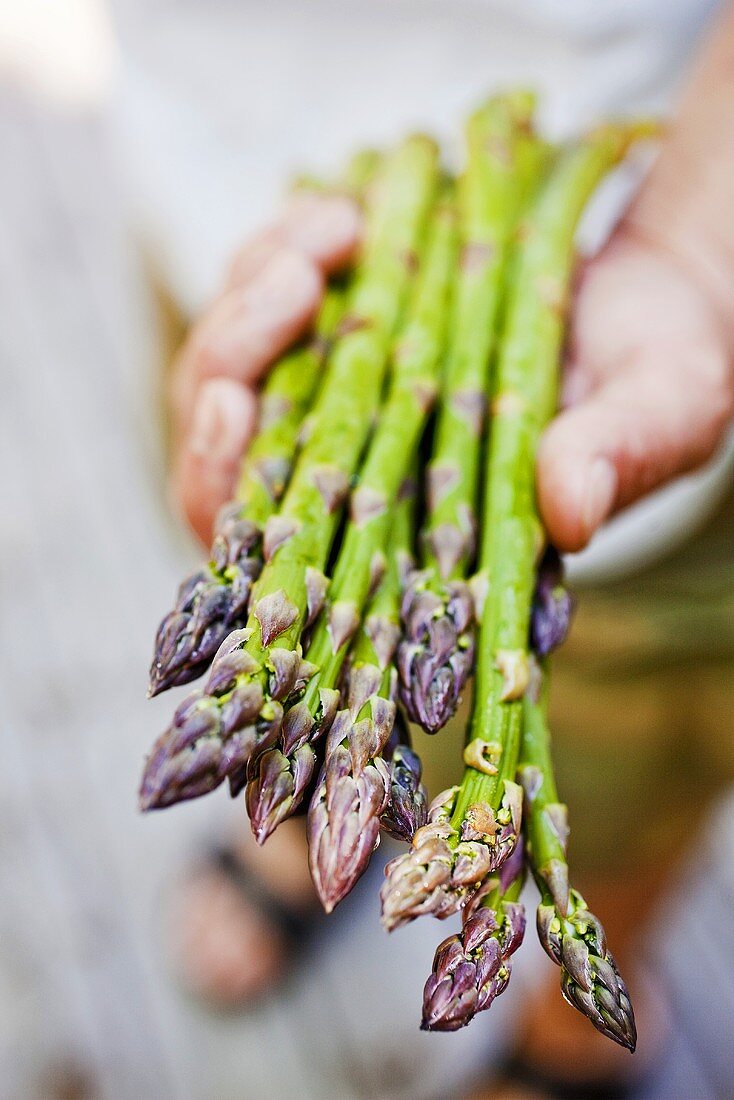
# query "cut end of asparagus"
(622, 134)
(210, 604)
(590, 980)
(472, 969)
(436, 657)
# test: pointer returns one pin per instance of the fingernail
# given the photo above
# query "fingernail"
(599, 495)
(218, 428)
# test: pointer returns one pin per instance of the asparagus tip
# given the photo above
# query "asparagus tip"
(160, 678)
(276, 782)
(472, 969)
(590, 980)
(265, 818)
(436, 656)
(147, 801)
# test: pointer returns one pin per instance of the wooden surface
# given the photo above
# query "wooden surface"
(87, 1008)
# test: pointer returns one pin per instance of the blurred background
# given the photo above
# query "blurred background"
(139, 142)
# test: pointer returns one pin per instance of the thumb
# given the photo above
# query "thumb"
(652, 420)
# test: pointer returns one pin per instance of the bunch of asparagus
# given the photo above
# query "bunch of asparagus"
(340, 601)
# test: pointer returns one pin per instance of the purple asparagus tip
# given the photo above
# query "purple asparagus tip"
(552, 605)
(472, 969)
(590, 980)
(278, 779)
(352, 792)
(436, 656)
(204, 744)
(210, 604)
(407, 806)
(274, 783)
(216, 730)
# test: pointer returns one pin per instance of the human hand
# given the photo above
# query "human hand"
(270, 299)
(649, 386)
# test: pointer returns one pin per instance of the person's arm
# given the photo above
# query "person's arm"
(651, 374)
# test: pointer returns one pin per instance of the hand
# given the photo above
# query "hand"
(649, 386)
(649, 382)
(270, 299)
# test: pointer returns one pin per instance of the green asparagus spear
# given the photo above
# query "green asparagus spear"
(474, 827)
(239, 711)
(280, 776)
(571, 935)
(437, 655)
(524, 400)
(354, 785)
(213, 601)
(472, 969)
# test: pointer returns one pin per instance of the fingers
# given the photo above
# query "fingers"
(653, 419)
(325, 228)
(273, 294)
(247, 328)
(205, 472)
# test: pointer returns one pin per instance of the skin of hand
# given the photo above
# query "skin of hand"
(649, 384)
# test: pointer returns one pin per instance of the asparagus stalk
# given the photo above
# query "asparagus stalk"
(213, 601)
(355, 781)
(474, 827)
(239, 711)
(437, 654)
(471, 969)
(280, 776)
(571, 935)
(407, 807)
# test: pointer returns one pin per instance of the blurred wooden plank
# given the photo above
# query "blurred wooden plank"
(88, 1003)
